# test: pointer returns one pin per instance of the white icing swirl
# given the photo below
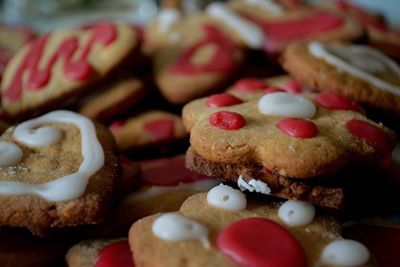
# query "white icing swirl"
(167, 18)
(345, 252)
(296, 213)
(28, 134)
(70, 186)
(10, 154)
(267, 5)
(174, 227)
(286, 105)
(252, 35)
(225, 197)
(364, 60)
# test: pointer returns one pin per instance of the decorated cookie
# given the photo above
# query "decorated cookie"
(224, 228)
(360, 72)
(147, 129)
(113, 101)
(57, 170)
(64, 64)
(100, 253)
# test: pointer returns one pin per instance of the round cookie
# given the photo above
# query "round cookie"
(58, 170)
(64, 64)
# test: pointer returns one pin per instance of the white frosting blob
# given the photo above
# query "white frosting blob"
(225, 197)
(167, 18)
(365, 60)
(252, 35)
(10, 154)
(267, 5)
(345, 252)
(296, 213)
(286, 105)
(70, 186)
(36, 137)
(174, 227)
(253, 185)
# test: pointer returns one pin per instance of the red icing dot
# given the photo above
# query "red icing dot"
(117, 124)
(299, 128)
(260, 242)
(222, 100)
(249, 84)
(332, 100)
(374, 136)
(270, 90)
(293, 86)
(160, 130)
(168, 172)
(227, 120)
(116, 254)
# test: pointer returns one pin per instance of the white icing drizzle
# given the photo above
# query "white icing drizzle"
(252, 35)
(28, 133)
(365, 60)
(70, 186)
(253, 185)
(345, 252)
(174, 227)
(167, 18)
(286, 105)
(267, 5)
(296, 213)
(10, 154)
(225, 197)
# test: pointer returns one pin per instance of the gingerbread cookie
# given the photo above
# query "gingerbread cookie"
(64, 64)
(360, 72)
(224, 228)
(57, 171)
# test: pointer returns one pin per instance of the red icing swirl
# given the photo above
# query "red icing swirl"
(75, 68)
(261, 242)
(249, 84)
(332, 100)
(298, 128)
(117, 254)
(227, 120)
(160, 130)
(222, 100)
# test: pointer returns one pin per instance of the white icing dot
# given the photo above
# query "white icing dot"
(296, 213)
(345, 252)
(166, 19)
(225, 197)
(253, 185)
(37, 137)
(286, 105)
(174, 227)
(10, 154)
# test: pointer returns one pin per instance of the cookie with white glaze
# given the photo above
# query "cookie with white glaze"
(58, 170)
(223, 228)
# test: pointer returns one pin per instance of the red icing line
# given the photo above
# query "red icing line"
(332, 100)
(160, 130)
(249, 84)
(116, 254)
(117, 124)
(227, 120)
(298, 128)
(222, 61)
(270, 90)
(169, 172)
(374, 136)
(75, 68)
(261, 242)
(222, 100)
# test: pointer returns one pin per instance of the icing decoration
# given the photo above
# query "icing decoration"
(10, 154)
(225, 197)
(76, 68)
(115, 254)
(160, 130)
(70, 186)
(222, 61)
(252, 35)
(363, 61)
(249, 84)
(166, 19)
(227, 120)
(253, 185)
(260, 242)
(345, 252)
(43, 136)
(374, 136)
(293, 86)
(222, 100)
(271, 90)
(286, 105)
(298, 128)
(334, 101)
(267, 5)
(174, 227)
(296, 213)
